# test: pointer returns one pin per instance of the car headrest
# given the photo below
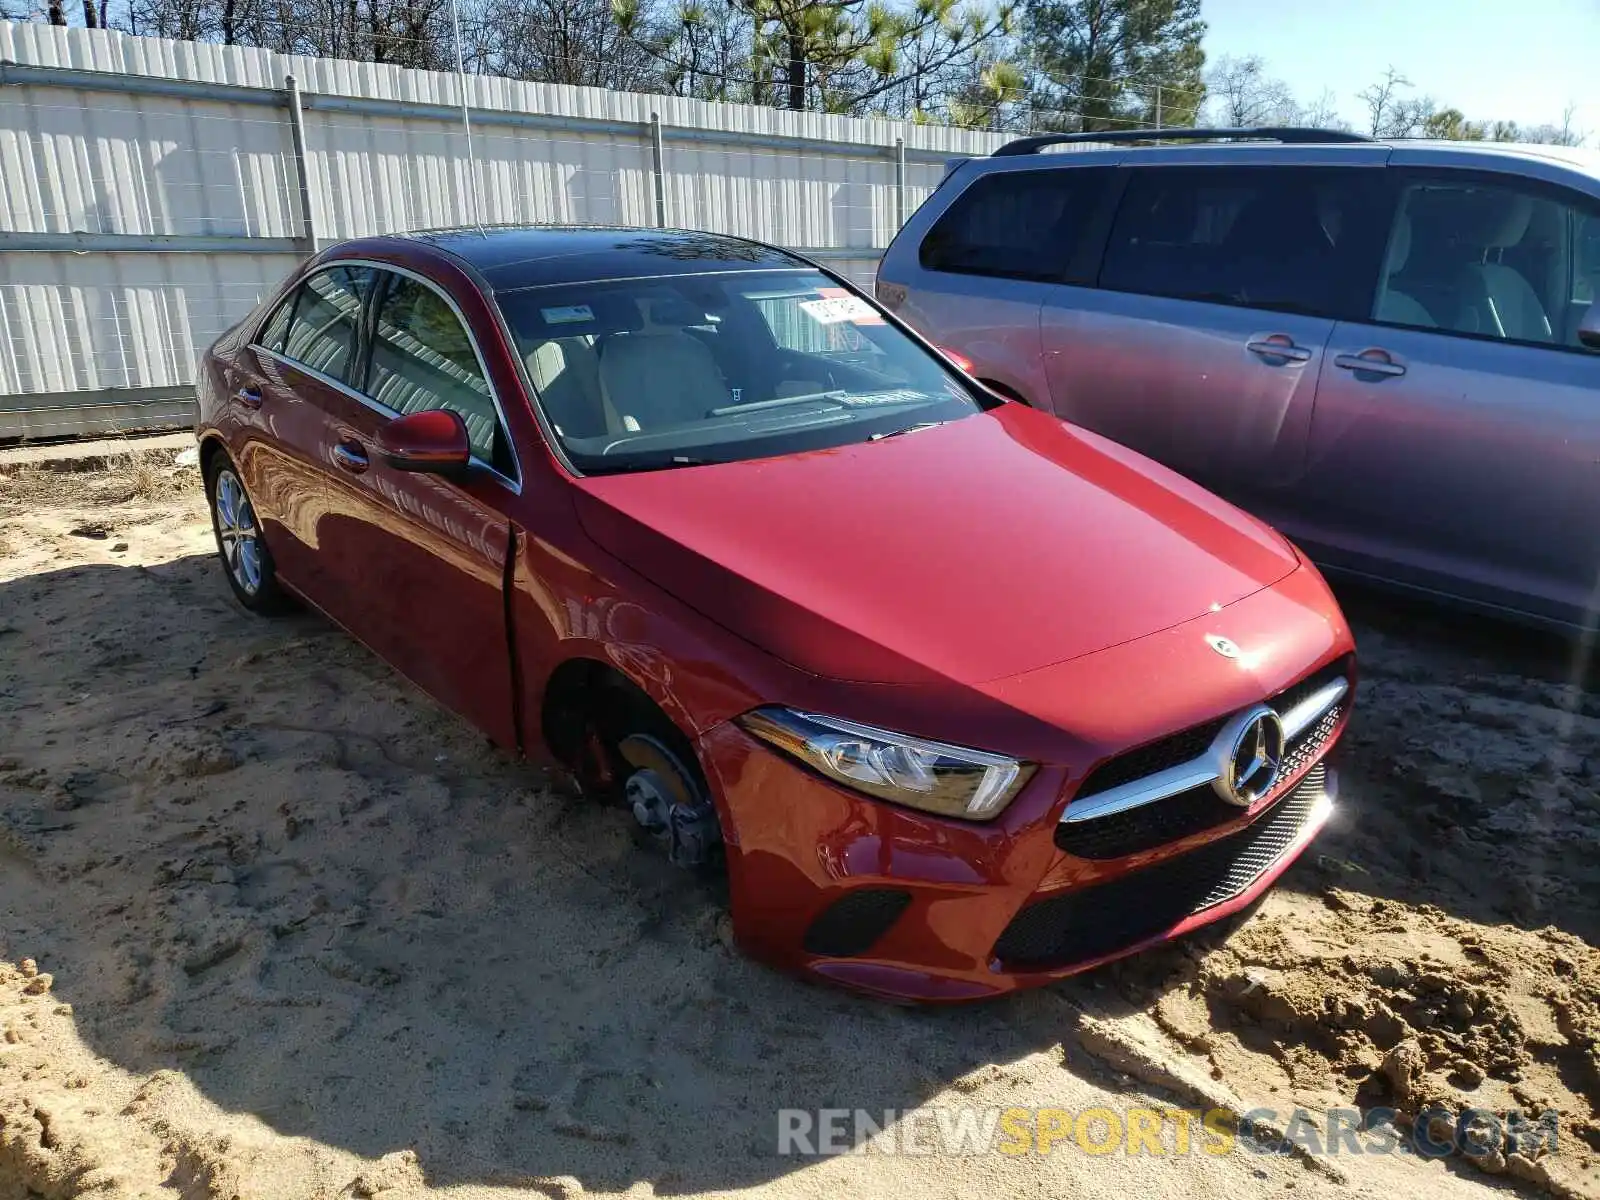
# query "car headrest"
(1480, 218)
(670, 312)
(1516, 212)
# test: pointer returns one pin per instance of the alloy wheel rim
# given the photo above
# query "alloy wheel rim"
(238, 533)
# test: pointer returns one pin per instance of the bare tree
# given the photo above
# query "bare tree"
(1241, 94)
(1410, 117)
(1563, 134)
(1323, 113)
(1381, 99)
(566, 41)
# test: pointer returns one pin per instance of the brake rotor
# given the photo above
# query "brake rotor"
(667, 802)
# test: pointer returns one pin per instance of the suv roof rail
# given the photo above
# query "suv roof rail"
(1286, 134)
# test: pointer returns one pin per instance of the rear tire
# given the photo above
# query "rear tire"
(246, 561)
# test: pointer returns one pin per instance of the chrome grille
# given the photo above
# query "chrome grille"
(1148, 759)
(1189, 743)
(1196, 809)
(1310, 744)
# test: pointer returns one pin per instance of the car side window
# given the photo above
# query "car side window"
(1291, 239)
(1491, 259)
(423, 359)
(276, 330)
(1017, 224)
(325, 328)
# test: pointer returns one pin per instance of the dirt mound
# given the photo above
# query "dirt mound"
(1432, 1015)
(1434, 953)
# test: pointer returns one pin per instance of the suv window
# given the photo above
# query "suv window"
(1489, 259)
(1294, 239)
(1017, 224)
(1586, 245)
(423, 359)
(324, 328)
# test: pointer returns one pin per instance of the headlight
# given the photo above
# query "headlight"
(948, 780)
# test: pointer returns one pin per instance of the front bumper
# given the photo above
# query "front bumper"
(909, 906)
(914, 908)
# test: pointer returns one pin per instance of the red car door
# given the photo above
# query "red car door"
(416, 563)
(282, 390)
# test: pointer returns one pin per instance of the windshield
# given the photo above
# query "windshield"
(651, 373)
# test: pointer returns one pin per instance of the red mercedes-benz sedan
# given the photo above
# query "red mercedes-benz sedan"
(964, 698)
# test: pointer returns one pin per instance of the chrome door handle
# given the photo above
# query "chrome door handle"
(1370, 362)
(351, 457)
(1285, 349)
(249, 397)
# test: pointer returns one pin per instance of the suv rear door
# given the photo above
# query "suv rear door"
(1222, 276)
(1456, 443)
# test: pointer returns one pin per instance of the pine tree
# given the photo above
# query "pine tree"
(1115, 64)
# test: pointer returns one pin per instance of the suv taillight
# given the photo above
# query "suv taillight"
(960, 360)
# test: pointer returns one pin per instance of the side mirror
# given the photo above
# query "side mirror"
(434, 441)
(1589, 327)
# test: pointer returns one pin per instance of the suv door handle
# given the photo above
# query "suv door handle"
(249, 397)
(351, 457)
(1279, 345)
(1371, 362)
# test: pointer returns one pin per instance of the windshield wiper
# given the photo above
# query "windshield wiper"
(878, 437)
(729, 410)
(652, 464)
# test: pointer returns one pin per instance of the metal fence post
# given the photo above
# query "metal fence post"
(900, 181)
(658, 152)
(297, 127)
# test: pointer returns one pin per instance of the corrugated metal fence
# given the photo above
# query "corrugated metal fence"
(154, 190)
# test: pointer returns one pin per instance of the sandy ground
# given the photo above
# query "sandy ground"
(274, 926)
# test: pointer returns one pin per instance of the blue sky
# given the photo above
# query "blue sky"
(1522, 61)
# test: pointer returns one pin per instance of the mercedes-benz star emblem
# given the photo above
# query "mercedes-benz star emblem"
(1252, 757)
(1223, 646)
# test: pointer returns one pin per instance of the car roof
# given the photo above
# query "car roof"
(509, 257)
(1556, 163)
(1575, 158)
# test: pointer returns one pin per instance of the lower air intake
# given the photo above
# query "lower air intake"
(852, 924)
(1101, 920)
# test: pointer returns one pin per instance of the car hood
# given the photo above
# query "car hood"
(995, 544)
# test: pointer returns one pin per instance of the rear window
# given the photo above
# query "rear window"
(1016, 224)
(1286, 238)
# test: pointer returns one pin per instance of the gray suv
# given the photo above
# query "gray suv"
(1389, 350)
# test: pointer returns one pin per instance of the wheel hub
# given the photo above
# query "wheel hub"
(667, 803)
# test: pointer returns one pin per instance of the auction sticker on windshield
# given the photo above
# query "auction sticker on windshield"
(567, 314)
(833, 309)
